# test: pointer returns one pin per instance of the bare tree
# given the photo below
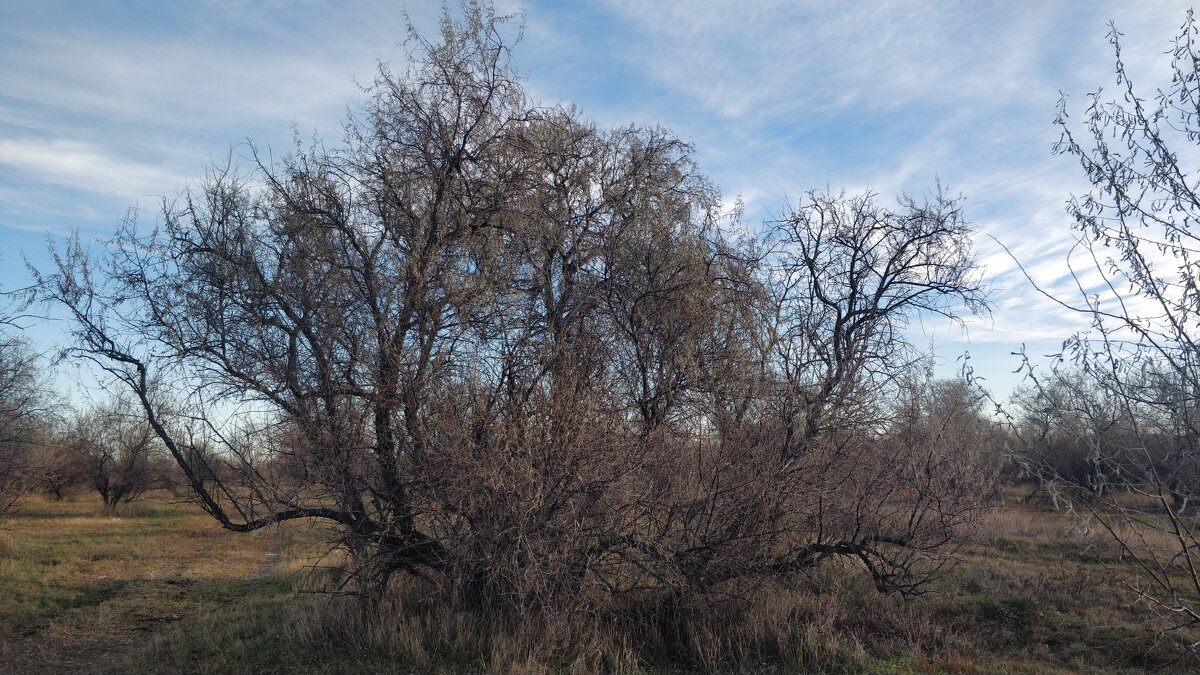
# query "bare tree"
(340, 301)
(24, 411)
(1066, 423)
(848, 275)
(1136, 384)
(851, 275)
(503, 349)
(63, 470)
(118, 449)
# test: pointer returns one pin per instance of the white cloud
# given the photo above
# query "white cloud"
(748, 60)
(83, 166)
(165, 84)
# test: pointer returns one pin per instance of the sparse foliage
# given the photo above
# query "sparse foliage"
(1129, 400)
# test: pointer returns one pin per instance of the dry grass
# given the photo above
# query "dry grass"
(161, 588)
(78, 586)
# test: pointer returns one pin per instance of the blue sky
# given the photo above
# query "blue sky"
(108, 106)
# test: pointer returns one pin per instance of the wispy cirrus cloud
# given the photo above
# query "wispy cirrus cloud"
(83, 166)
(104, 104)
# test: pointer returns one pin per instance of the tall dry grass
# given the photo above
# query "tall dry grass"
(818, 624)
(1032, 589)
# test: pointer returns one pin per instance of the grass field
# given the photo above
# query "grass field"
(161, 588)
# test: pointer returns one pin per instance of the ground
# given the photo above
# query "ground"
(161, 588)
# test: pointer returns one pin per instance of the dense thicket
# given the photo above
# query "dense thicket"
(528, 359)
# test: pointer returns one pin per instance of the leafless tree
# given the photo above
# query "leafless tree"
(847, 276)
(116, 451)
(851, 275)
(62, 470)
(503, 349)
(1066, 422)
(24, 410)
